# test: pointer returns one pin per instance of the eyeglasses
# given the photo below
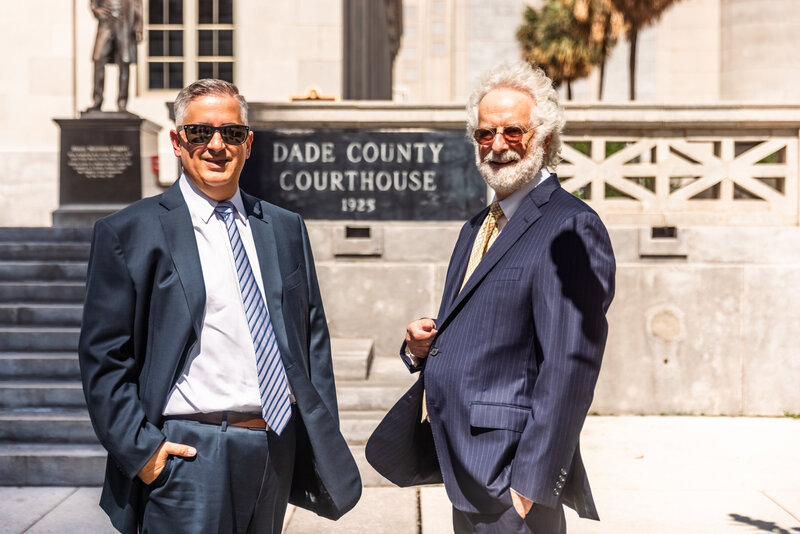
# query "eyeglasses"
(201, 134)
(512, 134)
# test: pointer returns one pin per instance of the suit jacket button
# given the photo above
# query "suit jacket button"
(563, 472)
(434, 351)
(556, 492)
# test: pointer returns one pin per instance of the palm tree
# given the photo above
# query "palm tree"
(637, 15)
(555, 40)
(606, 25)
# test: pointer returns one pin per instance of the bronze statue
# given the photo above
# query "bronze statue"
(119, 29)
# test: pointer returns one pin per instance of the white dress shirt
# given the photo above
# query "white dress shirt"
(220, 371)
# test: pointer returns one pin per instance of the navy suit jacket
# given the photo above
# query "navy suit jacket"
(511, 372)
(145, 299)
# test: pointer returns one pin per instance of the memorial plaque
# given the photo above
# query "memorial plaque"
(366, 175)
(100, 161)
(104, 159)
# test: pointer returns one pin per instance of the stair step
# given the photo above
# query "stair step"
(368, 396)
(38, 339)
(41, 314)
(46, 426)
(35, 464)
(45, 251)
(41, 394)
(42, 366)
(31, 271)
(391, 368)
(351, 357)
(50, 292)
(369, 477)
(357, 426)
(46, 234)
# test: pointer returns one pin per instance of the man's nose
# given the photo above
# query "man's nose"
(216, 142)
(499, 143)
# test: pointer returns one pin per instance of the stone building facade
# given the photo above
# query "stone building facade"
(697, 181)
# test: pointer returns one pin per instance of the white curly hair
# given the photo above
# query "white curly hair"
(547, 115)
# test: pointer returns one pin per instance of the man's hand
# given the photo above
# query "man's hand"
(419, 336)
(521, 504)
(156, 463)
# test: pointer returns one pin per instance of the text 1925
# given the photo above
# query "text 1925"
(360, 205)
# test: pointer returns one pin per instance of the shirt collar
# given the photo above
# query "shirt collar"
(512, 201)
(202, 206)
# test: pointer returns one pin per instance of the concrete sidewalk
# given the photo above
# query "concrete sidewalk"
(652, 475)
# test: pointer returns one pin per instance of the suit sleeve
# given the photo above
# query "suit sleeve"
(107, 357)
(319, 343)
(571, 294)
(409, 363)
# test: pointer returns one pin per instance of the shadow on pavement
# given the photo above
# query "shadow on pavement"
(766, 526)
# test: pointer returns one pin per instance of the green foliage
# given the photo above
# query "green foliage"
(584, 147)
(612, 147)
(638, 13)
(555, 40)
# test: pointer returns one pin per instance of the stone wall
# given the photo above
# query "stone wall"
(712, 330)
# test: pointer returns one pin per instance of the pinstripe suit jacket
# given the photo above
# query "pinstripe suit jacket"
(512, 370)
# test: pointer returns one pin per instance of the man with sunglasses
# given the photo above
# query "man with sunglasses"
(204, 349)
(509, 366)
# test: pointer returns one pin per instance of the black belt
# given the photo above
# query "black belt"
(246, 420)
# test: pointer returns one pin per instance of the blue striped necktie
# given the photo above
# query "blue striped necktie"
(272, 384)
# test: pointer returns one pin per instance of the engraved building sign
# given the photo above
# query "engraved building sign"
(366, 175)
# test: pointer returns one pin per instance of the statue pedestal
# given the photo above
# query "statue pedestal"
(106, 157)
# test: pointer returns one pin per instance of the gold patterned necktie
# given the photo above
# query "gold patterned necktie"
(484, 240)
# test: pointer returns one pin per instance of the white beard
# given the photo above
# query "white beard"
(508, 179)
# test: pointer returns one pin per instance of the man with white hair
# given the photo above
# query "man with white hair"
(509, 366)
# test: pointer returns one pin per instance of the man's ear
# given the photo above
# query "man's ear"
(249, 144)
(547, 142)
(175, 138)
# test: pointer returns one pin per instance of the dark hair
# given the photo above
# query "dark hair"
(207, 86)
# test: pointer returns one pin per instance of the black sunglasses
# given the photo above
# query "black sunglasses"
(512, 134)
(201, 134)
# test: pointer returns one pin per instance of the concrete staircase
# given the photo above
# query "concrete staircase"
(366, 387)
(45, 434)
(46, 437)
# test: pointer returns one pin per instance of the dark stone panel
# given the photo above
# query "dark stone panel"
(344, 174)
(100, 161)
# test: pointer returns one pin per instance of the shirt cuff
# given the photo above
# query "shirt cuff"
(414, 360)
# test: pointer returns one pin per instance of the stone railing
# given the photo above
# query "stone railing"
(684, 165)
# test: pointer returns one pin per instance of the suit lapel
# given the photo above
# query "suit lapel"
(179, 233)
(527, 213)
(461, 254)
(267, 251)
